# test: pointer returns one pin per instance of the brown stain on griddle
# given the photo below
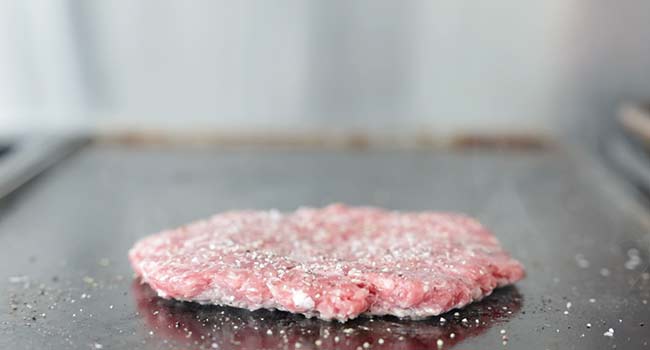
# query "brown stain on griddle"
(348, 140)
(523, 142)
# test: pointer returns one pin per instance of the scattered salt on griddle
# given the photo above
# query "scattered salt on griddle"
(609, 333)
(440, 343)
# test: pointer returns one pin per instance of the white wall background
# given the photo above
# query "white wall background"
(442, 66)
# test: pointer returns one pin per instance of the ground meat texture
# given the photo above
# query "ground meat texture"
(332, 263)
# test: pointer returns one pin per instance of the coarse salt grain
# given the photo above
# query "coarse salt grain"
(581, 261)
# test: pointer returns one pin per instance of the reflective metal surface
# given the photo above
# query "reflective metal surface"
(237, 328)
(26, 157)
(65, 282)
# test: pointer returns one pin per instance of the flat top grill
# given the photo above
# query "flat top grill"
(65, 281)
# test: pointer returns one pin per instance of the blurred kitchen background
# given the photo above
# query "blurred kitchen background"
(397, 68)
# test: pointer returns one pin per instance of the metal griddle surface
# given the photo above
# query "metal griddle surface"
(65, 281)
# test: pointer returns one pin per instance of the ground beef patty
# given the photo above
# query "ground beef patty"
(333, 263)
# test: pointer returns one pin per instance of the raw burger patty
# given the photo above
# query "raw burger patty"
(333, 263)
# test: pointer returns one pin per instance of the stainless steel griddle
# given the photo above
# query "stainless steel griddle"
(65, 281)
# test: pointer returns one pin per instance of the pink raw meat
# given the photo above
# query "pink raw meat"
(333, 263)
